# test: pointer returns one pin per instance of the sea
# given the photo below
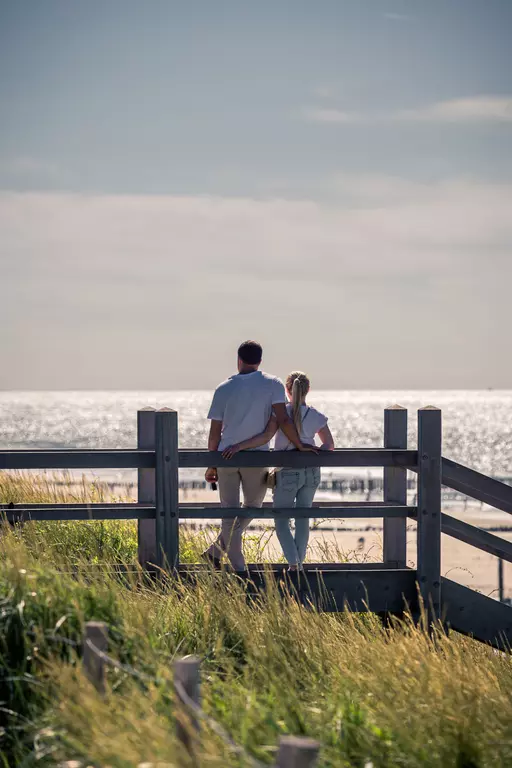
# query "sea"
(477, 424)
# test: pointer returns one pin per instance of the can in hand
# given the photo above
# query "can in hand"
(214, 486)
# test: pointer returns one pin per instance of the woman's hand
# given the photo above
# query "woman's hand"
(308, 448)
(211, 475)
(230, 451)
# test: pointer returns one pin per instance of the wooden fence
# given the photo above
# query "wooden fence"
(384, 586)
(292, 752)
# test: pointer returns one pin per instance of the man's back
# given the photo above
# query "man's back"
(244, 405)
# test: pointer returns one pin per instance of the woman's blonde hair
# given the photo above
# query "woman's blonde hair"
(298, 384)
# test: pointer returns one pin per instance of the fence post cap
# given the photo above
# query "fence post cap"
(192, 661)
(71, 764)
(299, 741)
(166, 410)
(94, 626)
(187, 671)
(429, 408)
(395, 407)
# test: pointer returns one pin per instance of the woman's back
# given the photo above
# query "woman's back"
(312, 421)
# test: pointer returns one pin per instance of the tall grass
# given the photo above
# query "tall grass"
(389, 696)
(98, 541)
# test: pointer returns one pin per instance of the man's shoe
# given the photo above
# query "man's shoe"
(215, 562)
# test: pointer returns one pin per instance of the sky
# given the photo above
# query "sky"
(331, 178)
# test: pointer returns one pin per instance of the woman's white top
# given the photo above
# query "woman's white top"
(312, 422)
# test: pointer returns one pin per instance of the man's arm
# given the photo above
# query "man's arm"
(287, 426)
(213, 444)
(253, 442)
(215, 435)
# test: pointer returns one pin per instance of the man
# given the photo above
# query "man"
(241, 409)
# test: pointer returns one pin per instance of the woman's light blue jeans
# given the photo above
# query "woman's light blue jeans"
(295, 488)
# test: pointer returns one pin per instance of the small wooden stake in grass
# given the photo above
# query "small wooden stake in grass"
(96, 632)
(297, 752)
(187, 675)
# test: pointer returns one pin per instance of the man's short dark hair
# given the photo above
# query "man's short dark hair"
(250, 352)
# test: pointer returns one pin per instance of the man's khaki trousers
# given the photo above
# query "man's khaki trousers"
(253, 483)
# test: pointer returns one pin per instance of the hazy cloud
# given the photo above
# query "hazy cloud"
(96, 282)
(24, 166)
(470, 110)
(324, 91)
(396, 16)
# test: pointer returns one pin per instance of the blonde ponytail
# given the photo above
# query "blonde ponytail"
(298, 385)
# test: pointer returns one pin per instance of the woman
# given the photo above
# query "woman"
(294, 487)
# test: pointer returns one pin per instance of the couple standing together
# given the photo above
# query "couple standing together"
(246, 412)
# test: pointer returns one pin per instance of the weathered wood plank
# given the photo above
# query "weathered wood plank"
(344, 457)
(129, 506)
(76, 458)
(472, 613)
(167, 486)
(195, 511)
(280, 568)
(146, 488)
(429, 510)
(359, 590)
(395, 487)
(269, 513)
(46, 512)
(143, 459)
(474, 536)
(475, 484)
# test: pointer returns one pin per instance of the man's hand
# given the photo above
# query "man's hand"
(230, 451)
(211, 475)
(308, 448)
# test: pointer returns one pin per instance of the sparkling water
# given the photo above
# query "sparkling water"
(477, 425)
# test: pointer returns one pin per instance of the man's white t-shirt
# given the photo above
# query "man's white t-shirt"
(312, 422)
(244, 405)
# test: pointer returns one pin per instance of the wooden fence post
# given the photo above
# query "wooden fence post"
(167, 487)
(94, 666)
(395, 488)
(297, 752)
(429, 511)
(187, 673)
(147, 550)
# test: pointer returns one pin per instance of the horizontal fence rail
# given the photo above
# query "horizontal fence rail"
(45, 512)
(342, 457)
(340, 510)
(476, 537)
(114, 511)
(77, 458)
(475, 484)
